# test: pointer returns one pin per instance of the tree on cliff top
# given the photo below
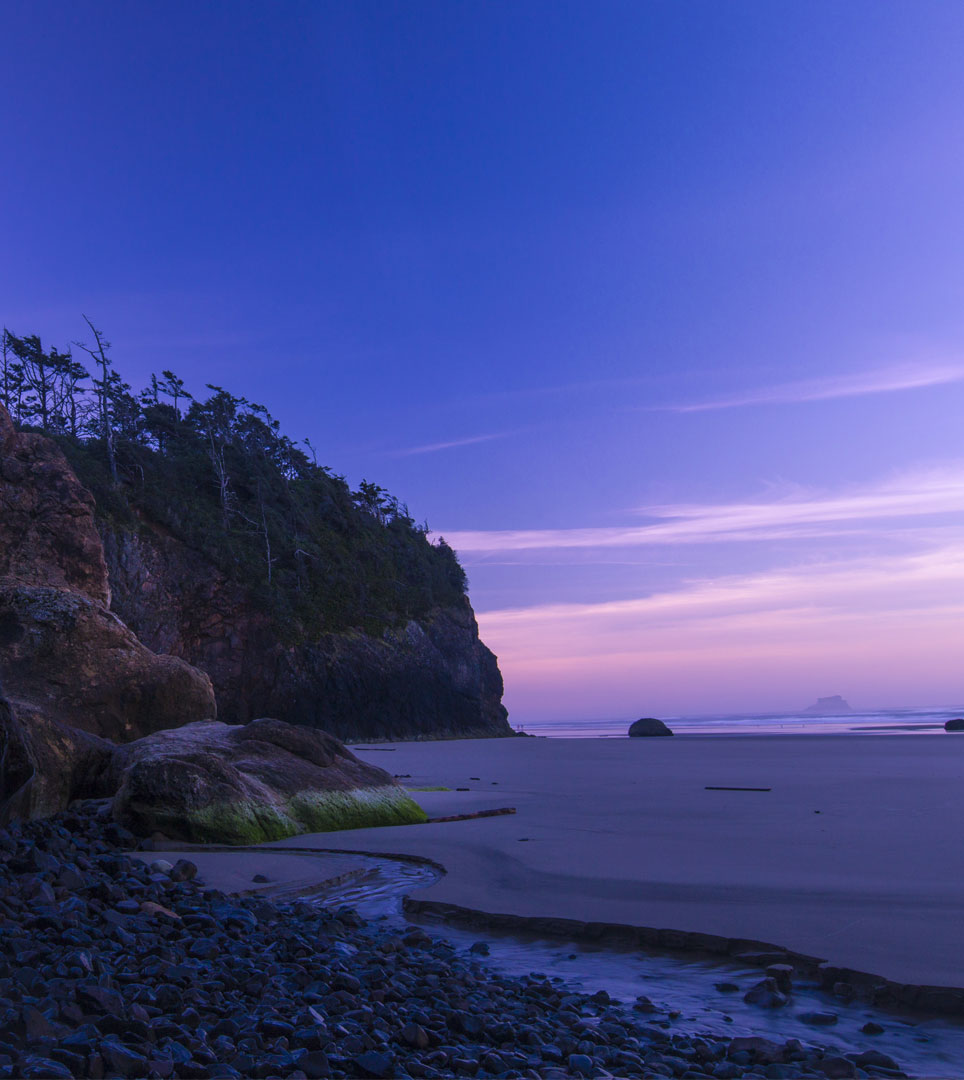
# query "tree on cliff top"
(221, 476)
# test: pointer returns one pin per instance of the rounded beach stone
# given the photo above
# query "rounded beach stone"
(767, 994)
(648, 725)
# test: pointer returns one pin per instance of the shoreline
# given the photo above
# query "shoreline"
(161, 976)
(874, 989)
(853, 855)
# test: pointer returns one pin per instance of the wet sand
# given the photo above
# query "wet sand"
(625, 831)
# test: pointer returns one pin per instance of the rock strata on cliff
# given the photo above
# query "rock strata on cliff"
(246, 784)
(47, 531)
(62, 652)
(72, 672)
(114, 628)
(431, 678)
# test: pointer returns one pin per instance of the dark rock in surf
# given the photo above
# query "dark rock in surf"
(647, 726)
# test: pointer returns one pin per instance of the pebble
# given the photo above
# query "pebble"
(111, 968)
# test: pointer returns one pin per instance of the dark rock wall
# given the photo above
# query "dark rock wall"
(72, 672)
(429, 679)
(44, 764)
(47, 531)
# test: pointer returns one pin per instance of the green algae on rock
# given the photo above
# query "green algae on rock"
(214, 783)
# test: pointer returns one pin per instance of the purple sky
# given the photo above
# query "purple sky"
(654, 310)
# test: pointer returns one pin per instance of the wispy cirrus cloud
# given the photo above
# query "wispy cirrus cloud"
(876, 626)
(796, 592)
(881, 381)
(434, 448)
(913, 495)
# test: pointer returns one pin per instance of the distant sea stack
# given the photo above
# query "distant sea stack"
(648, 726)
(829, 706)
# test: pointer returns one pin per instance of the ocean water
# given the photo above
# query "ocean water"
(916, 720)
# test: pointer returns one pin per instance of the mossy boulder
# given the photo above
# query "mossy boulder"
(648, 725)
(212, 782)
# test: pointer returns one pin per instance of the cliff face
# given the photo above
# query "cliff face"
(429, 679)
(74, 675)
(109, 635)
(175, 625)
(63, 653)
(47, 532)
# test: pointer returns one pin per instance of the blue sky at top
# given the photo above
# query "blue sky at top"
(488, 254)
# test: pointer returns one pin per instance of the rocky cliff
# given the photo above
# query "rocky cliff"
(74, 676)
(115, 633)
(431, 678)
(63, 654)
(178, 631)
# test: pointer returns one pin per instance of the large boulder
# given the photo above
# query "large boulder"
(17, 766)
(68, 658)
(648, 725)
(44, 764)
(954, 725)
(217, 783)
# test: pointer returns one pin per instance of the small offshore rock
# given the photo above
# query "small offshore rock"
(955, 725)
(648, 726)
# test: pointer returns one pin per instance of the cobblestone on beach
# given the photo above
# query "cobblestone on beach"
(113, 968)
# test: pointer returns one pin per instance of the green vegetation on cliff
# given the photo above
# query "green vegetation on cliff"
(219, 475)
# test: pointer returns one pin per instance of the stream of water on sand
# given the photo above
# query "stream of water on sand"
(924, 1046)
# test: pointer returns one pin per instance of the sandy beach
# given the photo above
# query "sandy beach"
(855, 855)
